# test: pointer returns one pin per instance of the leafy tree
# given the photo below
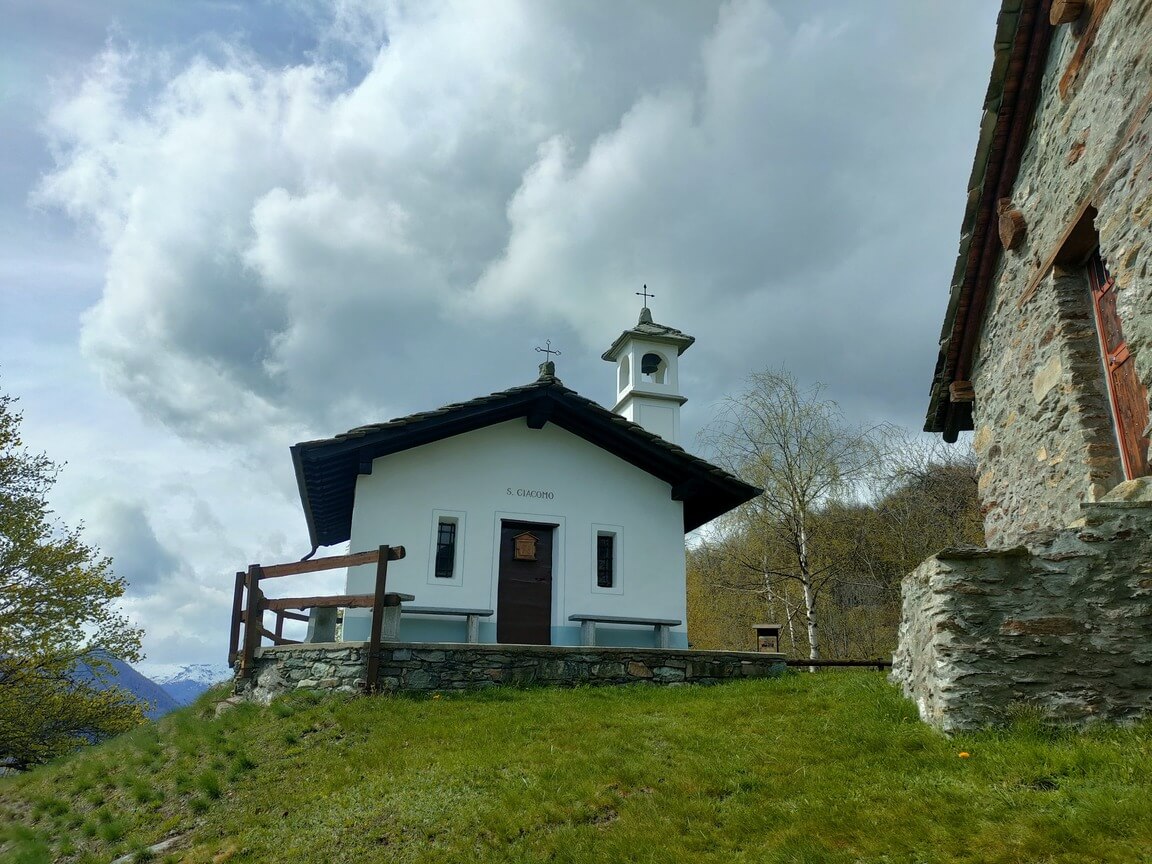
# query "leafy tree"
(57, 597)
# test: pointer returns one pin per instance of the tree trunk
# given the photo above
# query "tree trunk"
(809, 594)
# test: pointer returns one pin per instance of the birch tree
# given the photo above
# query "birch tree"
(796, 446)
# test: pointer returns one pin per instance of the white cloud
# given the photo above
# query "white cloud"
(396, 214)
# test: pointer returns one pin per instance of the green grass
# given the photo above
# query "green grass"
(822, 768)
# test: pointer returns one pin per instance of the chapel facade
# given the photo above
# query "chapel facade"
(1046, 350)
(531, 515)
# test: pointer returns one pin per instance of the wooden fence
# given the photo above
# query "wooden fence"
(878, 665)
(249, 605)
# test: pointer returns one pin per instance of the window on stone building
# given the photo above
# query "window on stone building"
(1125, 391)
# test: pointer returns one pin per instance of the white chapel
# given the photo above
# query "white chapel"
(532, 515)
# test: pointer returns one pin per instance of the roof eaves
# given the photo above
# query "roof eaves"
(1022, 37)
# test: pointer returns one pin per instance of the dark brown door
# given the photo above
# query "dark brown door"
(524, 592)
(1129, 399)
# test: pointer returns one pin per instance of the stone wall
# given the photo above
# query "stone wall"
(1062, 622)
(1043, 425)
(428, 667)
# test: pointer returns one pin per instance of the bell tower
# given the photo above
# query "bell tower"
(647, 383)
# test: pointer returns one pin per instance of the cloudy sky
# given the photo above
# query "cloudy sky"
(229, 225)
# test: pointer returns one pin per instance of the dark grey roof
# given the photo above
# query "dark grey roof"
(646, 329)
(326, 469)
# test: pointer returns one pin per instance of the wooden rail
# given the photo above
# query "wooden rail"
(249, 605)
(879, 665)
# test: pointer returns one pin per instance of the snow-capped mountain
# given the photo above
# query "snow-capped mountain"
(192, 680)
(156, 700)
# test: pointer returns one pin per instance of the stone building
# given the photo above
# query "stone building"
(531, 515)
(1046, 351)
(1046, 356)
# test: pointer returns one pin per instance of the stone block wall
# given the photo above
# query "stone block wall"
(1043, 428)
(1062, 622)
(432, 667)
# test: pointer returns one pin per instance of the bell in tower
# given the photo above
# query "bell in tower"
(647, 386)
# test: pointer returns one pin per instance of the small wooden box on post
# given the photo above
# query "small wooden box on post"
(767, 638)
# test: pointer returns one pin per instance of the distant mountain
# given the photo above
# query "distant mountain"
(156, 699)
(191, 681)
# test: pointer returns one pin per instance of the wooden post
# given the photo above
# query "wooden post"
(237, 617)
(253, 620)
(373, 672)
(279, 626)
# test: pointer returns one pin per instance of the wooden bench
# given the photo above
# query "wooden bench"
(588, 627)
(473, 616)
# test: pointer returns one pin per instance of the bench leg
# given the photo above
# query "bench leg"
(663, 635)
(587, 633)
(473, 629)
(391, 629)
(321, 624)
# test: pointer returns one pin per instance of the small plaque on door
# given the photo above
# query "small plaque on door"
(524, 547)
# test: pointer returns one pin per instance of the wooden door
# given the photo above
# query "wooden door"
(524, 591)
(1128, 396)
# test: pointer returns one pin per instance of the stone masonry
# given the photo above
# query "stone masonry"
(1043, 430)
(428, 667)
(1062, 622)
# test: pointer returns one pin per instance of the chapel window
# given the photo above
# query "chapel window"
(605, 560)
(446, 548)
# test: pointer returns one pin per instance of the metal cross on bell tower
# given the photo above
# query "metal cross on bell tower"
(645, 294)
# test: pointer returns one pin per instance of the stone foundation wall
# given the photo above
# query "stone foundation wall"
(1062, 622)
(428, 667)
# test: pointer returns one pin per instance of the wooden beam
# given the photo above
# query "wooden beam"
(365, 465)
(317, 564)
(1012, 226)
(277, 639)
(684, 489)
(1065, 11)
(237, 616)
(373, 671)
(538, 414)
(1087, 40)
(961, 391)
(253, 618)
(350, 601)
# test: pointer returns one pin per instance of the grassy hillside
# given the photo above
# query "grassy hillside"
(831, 767)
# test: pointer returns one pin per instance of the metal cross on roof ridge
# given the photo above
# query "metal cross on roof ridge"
(645, 295)
(549, 351)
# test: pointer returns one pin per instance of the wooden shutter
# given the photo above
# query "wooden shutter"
(1128, 396)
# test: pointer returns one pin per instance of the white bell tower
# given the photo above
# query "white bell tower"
(647, 383)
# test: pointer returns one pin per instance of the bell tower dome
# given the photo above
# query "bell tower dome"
(647, 382)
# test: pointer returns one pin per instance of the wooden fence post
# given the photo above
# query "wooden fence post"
(237, 618)
(253, 620)
(373, 671)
